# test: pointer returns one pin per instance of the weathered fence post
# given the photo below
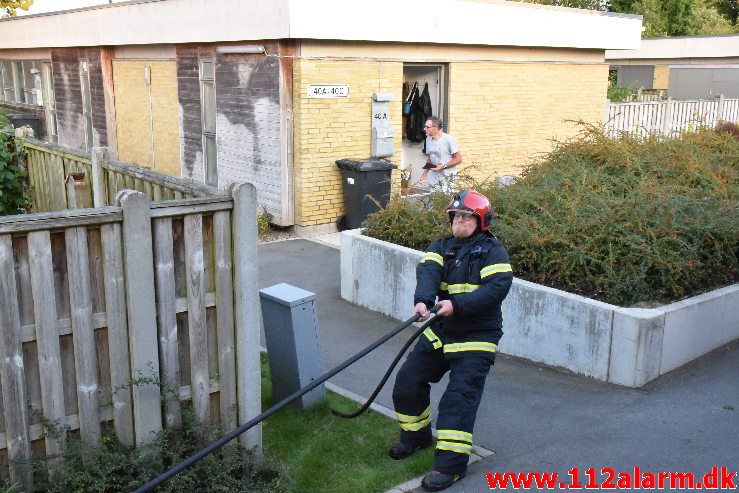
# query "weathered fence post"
(11, 370)
(247, 310)
(142, 315)
(99, 196)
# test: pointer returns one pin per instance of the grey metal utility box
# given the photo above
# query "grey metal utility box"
(382, 143)
(291, 333)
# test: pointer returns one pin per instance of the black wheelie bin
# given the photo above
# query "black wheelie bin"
(365, 181)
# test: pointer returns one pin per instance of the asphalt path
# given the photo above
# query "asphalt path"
(537, 419)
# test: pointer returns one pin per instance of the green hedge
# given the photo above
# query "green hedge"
(621, 220)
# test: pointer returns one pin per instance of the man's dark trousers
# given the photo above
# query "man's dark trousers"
(458, 405)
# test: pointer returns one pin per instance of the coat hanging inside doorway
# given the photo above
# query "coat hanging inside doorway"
(419, 112)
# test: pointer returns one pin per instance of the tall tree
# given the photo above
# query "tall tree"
(623, 6)
(680, 18)
(9, 7)
(727, 8)
(678, 13)
(577, 4)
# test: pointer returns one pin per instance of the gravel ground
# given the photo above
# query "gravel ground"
(276, 234)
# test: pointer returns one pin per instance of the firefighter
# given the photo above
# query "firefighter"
(470, 274)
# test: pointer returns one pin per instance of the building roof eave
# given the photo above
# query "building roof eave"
(479, 22)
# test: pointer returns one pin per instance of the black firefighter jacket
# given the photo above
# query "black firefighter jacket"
(475, 274)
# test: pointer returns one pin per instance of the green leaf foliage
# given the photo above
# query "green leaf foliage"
(681, 18)
(14, 197)
(668, 17)
(622, 220)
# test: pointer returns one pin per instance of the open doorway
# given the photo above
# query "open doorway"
(420, 74)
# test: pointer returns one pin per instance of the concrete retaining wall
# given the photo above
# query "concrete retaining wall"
(625, 346)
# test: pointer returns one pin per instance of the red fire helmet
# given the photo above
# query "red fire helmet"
(471, 202)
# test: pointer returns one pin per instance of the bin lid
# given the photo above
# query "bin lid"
(365, 164)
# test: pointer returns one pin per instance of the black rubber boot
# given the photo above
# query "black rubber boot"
(437, 481)
(403, 450)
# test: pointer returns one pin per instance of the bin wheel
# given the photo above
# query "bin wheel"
(341, 223)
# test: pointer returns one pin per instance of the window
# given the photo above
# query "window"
(208, 120)
(50, 103)
(8, 85)
(19, 82)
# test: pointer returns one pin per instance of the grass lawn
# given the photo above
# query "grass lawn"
(320, 452)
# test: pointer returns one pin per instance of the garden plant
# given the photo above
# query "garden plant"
(14, 196)
(626, 220)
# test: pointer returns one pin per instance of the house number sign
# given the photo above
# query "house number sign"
(328, 91)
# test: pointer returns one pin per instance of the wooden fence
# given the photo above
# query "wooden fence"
(65, 178)
(668, 117)
(163, 292)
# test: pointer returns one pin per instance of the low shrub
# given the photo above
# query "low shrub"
(622, 220)
(113, 466)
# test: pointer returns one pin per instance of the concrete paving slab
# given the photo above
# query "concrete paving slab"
(534, 418)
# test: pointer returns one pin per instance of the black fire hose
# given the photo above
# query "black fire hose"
(287, 400)
(389, 370)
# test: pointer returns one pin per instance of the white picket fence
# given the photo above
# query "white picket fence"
(668, 117)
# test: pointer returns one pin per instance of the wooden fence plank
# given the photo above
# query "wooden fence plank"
(167, 320)
(190, 206)
(110, 186)
(85, 353)
(47, 335)
(148, 189)
(117, 322)
(224, 319)
(197, 328)
(59, 219)
(140, 300)
(99, 193)
(11, 370)
(45, 183)
(58, 187)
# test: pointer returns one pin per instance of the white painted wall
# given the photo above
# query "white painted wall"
(625, 346)
(680, 47)
(435, 21)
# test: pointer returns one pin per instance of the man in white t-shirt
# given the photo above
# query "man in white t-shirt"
(442, 157)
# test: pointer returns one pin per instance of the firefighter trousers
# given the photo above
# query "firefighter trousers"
(457, 407)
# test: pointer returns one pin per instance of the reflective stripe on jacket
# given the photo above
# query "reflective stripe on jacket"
(476, 275)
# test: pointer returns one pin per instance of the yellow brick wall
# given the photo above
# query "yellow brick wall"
(502, 114)
(661, 77)
(505, 114)
(133, 123)
(329, 129)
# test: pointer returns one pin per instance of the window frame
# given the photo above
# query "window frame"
(208, 114)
